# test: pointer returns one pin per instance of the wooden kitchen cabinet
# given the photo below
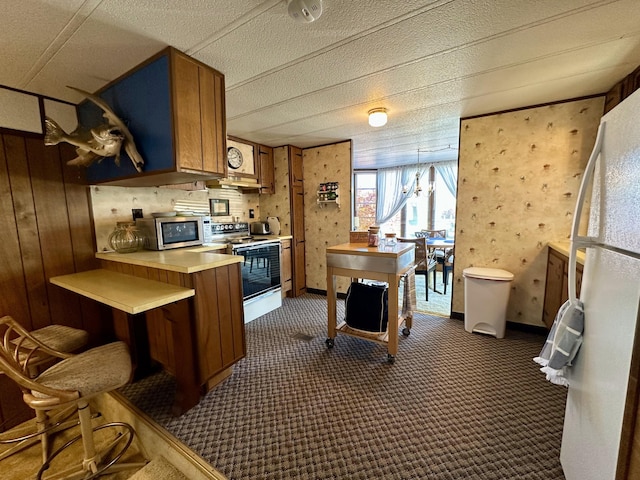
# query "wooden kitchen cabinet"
(215, 317)
(298, 245)
(174, 107)
(266, 177)
(557, 285)
(285, 266)
(295, 167)
(219, 320)
(250, 166)
(622, 90)
(296, 191)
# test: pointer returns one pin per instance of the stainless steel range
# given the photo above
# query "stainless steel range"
(261, 285)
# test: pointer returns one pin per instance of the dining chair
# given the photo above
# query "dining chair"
(424, 262)
(438, 254)
(432, 233)
(447, 267)
(259, 254)
(73, 381)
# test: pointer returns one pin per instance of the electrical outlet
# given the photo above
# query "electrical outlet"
(136, 213)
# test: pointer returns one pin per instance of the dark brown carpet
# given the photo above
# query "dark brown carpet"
(454, 405)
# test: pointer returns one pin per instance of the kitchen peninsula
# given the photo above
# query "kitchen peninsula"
(198, 338)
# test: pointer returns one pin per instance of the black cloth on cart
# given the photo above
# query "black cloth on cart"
(367, 307)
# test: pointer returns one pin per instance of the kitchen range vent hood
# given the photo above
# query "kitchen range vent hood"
(236, 183)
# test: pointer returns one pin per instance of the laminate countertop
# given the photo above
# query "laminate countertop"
(363, 249)
(124, 292)
(181, 260)
(564, 248)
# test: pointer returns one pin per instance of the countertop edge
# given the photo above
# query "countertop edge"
(191, 262)
(564, 248)
(364, 250)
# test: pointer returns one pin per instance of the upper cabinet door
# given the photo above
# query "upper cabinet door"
(198, 101)
(214, 151)
(186, 113)
(266, 170)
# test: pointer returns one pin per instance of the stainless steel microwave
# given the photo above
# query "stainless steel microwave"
(163, 233)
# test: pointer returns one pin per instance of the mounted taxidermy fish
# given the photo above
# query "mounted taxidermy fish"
(97, 143)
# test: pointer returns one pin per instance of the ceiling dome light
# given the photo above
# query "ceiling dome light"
(378, 117)
(304, 11)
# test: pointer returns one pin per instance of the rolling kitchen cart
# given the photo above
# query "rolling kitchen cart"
(384, 263)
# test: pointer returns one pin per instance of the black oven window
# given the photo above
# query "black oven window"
(260, 269)
(177, 232)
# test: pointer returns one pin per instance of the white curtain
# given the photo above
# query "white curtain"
(390, 185)
(449, 173)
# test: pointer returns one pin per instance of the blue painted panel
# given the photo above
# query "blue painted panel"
(142, 100)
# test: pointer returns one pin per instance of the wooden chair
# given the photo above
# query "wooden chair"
(439, 255)
(63, 339)
(73, 381)
(447, 267)
(425, 261)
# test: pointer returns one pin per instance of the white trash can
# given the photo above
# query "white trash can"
(486, 295)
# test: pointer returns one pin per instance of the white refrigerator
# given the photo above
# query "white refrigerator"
(598, 379)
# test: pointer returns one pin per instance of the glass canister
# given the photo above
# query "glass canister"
(390, 239)
(373, 238)
(125, 238)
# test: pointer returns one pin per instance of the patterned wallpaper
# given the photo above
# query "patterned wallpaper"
(518, 178)
(325, 224)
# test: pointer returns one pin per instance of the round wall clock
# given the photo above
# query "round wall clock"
(234, 157)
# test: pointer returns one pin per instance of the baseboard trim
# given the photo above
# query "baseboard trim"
(522, 327)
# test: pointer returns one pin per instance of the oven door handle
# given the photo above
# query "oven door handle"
(246, 248)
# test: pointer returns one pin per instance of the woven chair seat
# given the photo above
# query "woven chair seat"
(60, 337)
(98, 370)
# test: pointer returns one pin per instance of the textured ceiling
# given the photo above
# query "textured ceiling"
(429, 62)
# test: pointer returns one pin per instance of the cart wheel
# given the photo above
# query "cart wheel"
(329, 342)
(391, 358)
(406, 331)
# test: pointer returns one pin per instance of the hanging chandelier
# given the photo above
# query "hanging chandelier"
(418, 188)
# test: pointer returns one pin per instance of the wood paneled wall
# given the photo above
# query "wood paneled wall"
(47, 230)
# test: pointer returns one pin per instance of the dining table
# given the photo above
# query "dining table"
(440, 243)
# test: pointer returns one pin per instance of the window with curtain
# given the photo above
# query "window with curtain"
(364, 200)
(444, 208)
(379, 199)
